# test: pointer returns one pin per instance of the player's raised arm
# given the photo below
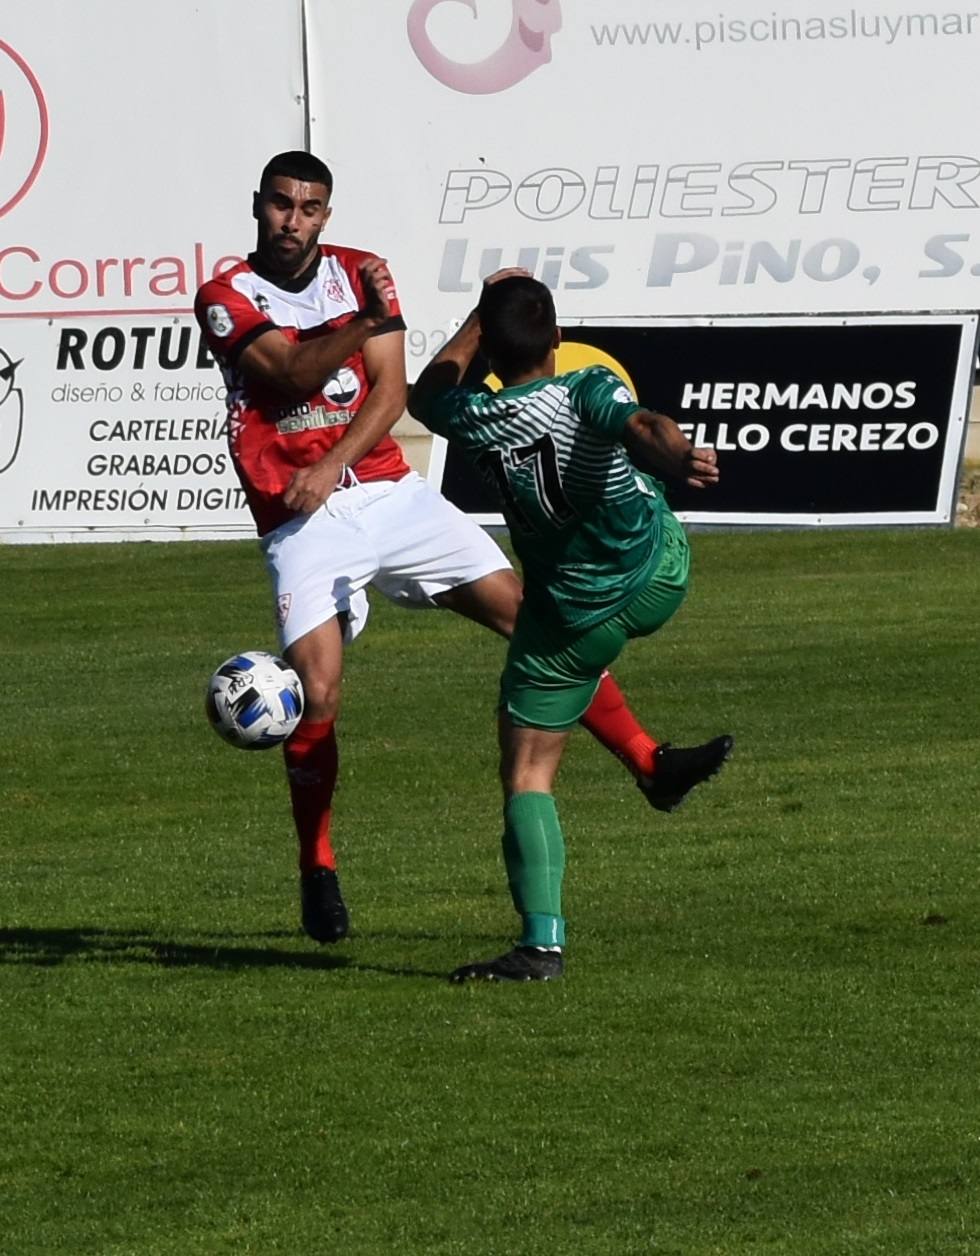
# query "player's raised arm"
(451, 363)
(655, 442)
(298, 369)
(446, 369)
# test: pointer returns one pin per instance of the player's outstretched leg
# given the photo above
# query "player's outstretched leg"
(677, 769)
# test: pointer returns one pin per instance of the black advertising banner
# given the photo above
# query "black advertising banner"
(816, 420)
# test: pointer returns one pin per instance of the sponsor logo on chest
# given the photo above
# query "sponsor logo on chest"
(312, 417)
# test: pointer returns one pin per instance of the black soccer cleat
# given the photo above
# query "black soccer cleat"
(523, 963)
(676, 770)
(325, 916)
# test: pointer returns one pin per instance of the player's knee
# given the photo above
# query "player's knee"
(318, 658)
(321, 695)
(528, 780)
(523, 774)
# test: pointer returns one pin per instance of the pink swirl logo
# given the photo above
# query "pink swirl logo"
(526, 48)
(23, 128)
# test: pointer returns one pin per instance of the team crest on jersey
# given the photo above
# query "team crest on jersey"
(623, 394)
(283, 602)
(342, 386)
(334, 291)
(220, 321)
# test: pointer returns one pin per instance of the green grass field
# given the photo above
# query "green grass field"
(767, 1037)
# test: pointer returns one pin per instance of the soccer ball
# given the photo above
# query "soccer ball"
(254, 700)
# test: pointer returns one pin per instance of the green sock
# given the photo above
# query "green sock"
(534, 855)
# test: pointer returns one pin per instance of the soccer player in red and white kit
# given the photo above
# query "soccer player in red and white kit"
(310, 339)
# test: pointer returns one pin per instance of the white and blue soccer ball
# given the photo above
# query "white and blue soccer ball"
(254, 700)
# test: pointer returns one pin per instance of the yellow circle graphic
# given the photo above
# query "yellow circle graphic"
(573, 356)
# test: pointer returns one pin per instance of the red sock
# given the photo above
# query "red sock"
(311, 766)
(611, 722)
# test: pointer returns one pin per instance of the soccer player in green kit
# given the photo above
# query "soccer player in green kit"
(604, 561)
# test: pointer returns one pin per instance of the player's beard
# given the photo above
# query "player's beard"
(290, 260)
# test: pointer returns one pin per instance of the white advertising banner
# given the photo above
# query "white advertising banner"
(657, 157)
(129, 145)
(110, 428)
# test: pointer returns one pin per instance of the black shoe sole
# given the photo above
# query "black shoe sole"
(327, 934)
(503, 970)
(472, 973)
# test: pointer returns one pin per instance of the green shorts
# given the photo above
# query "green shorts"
(551, 673)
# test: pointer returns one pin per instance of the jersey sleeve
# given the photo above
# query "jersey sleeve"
(603, 401)
(442, 412)
(228, 319)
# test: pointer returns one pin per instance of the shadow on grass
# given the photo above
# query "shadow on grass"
(47, 948)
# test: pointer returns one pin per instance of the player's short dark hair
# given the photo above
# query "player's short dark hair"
(517, 323)
(297, 165)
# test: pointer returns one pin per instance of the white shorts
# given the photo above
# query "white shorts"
(399, 535)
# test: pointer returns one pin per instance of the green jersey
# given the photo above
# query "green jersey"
(586, 524)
